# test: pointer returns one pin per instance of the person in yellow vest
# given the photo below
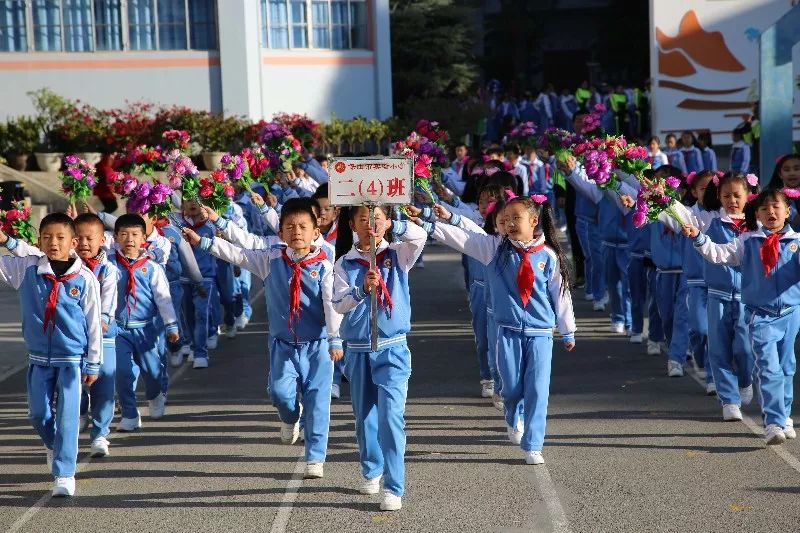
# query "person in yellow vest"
(583, 95)
(619, 104)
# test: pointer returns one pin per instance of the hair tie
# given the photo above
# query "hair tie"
(715, 179)
(791, 193)
(539, 198)
(720, 173)
(509, 194)
(751, 197)
(490, 207)
(690, 177)
(752, 180)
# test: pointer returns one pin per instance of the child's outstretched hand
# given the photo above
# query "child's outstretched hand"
(88, 379)
(88, 209)
(257, 199)
(191, 236)
(568, 346)
(209, 213)
(371, 281)
(567, 166)
(271, 200)
(381, 226)
(412, 210)
(442, 212)
(173, 337)
(336, 354)
(627, 200)
(71, 211)
(3, 237)
(690, 231)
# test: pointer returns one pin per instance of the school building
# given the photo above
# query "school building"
(243, 57)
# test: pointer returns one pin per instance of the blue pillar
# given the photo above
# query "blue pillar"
(776, 90)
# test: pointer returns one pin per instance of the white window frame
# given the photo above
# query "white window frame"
(310, 27)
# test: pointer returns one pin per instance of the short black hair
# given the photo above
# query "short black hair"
(130, 220)
(296, 206)
(89, 218)
(321, 192)
(57, 218)
(494, 150)
(513, 148)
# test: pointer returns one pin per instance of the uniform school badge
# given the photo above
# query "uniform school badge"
(171, 239)
(387, 263)
(144, 270)
(313, 274)
(793, 247)
(74, 292)
(540, 265)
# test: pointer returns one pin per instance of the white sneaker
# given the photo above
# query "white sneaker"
(600, 305)
(200, 362)
(291, 432)
(190, 357)
(313, 471)
(176, 359)
(674, 369)
(497, 401)
(336, 391)
(788, 429)
(157, 406)
(186, 350)
(589, 298)
(534, 458)
(391, 502)
(99, 447)
(515, 434)
(84, 423)
(212, 342)
(370, 486)
(731, 413)
(49, 459)
(241, 322)
(637, 338)
(653, 348)
(487, 388)
(774, 435)
(64, 486)
(229, 331)
(746, 395)
(711, 389)
(130, 424)
(618, 328)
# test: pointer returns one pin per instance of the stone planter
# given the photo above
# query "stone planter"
(17, 161)
(91, 157)
(49, 162)
(211, 160)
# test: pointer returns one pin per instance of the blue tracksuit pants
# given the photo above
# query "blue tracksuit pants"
(593, 258)
(642, 280)
(619, 294)
(176, 294)
(698, 327)
(59, 430)
(773, 347)
(477, 305)
(673, 306)
(378, 390)
(524, 365)
(730, 353)
(222, 305)
(138, 354)
(491, 335)
(102, 390)
(309, 365)
(196, 315)
(241, 290)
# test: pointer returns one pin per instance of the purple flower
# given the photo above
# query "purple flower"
(143, 190)
(225, 159)
(90, 181)
(673, 182)
(75, 172)
(129, 185)
(639, 219)
(71, 159)
(175, 181)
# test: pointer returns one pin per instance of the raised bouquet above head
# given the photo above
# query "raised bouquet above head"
(524, 134)
(216, 191)
(17, 222)
(633, 160)
(139, 160)
(258, 165)
(279, 146)
(656, 196)
(599, 158)
(183, 177)
(301, 127)
(558, 142)
(429, 160)
(433, 131)
(78, 179)
(237, 170)
(591, 124)
(150, 199)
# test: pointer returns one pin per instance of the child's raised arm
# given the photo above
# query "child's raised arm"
(729, 254)
(237, 235)
(479, 246)
(20, 248)
(411, 242)
(256, 261)
(12, 269)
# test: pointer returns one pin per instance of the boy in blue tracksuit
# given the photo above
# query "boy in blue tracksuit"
(242, 283)
(303, 327)
(60, 301)
(223, 318)
(378, 379)
(143, 298)
(197, 297)
(642, 279)
(770, 266)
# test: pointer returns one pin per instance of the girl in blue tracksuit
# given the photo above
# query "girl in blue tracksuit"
(787, 174)
(378, 379)
(709, 156)
(771, 295)
(692, 156)
(530, 296)
(674, 155)
(730, 354)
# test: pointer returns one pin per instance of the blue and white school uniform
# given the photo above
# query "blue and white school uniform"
(675, 157)
(525, 328)
(141, 313)
(692, 159)
(693, 269)
(155, 244)
(299, 340)
(730, 352)
(586, 226)
(740, 157)
(614, 221)
(709, 159)
(772, 309)
(642, 281)
(223, 298)
(657, 159)
(59, 341)
(379, 379)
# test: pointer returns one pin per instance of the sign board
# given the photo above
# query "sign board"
(704, 63)
(370, 180)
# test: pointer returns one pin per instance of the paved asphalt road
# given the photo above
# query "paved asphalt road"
(627, 448)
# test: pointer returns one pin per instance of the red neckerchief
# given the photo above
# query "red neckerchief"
(525, 275)
(770, 252)
(739, 225)
(334, 231)
(92, 262)
(294, 285)
(159, 225)
(667, 231)
(384, 296)
(52, 298)
(131, 268)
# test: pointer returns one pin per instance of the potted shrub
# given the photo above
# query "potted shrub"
(52, 111)
(23, 136)
(218, 135)
(89, 130)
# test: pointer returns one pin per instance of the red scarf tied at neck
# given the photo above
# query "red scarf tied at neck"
(739, 225)
(384, 296)
(294, 285)
(770, 252)
(130, 289)
(525, 275)
(91, 263)
(52, 298)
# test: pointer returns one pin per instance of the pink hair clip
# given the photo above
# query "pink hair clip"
(751, 197)
(715, 179)
(491, 170)
(490, 207)
(752, 180)
(720, 173)
(791, 193)
(690, 177)
(509, 194)
(539, 198)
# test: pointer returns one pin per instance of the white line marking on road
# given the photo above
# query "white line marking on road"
(292, 488)
(41, 502)
(547, 490)
(756, 428)
(11, 371)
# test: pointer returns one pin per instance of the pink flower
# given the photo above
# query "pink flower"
(673, 182)
(539, 198)
(791, 193)
(228, 190)
(422, 166)
(639, 219)
(206, 191)
(129, 185)
(175, 182)
(752, 180)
